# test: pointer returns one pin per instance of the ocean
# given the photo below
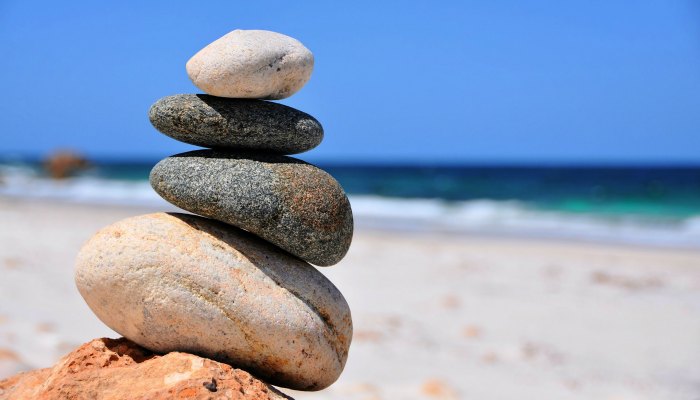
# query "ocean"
(651, 205)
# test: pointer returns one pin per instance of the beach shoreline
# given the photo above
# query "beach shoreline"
(363, 223)
(650, 206)
(436, 314)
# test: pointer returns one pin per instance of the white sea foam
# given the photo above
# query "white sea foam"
(475, 216)
(514, 218)
(24, 183)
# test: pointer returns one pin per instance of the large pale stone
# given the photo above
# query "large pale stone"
(177, 282)
(252, 64)
(286, 201)
(107, 369)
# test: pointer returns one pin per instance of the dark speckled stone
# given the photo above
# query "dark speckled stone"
(285, 201)
(218, 122)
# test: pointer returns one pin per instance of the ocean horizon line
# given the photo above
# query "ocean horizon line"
(396, 163)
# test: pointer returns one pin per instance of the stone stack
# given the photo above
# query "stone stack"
(234, 283)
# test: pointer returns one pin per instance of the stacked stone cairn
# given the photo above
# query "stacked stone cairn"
(234, 282)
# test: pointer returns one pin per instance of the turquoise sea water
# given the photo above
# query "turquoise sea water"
(672, 192)
(658, 202)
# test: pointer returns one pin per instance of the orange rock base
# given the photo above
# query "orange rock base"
(119, 369)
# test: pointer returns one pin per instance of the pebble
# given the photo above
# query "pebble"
(179, 282)
(252, 64)
(285, 201)
(211, 121)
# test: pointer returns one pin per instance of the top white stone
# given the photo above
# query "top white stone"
(252, 64)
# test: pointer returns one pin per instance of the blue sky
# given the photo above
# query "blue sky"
(487, 81)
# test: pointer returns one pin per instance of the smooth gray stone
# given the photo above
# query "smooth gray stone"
(219, 122)
(285, 201)
(178, 282)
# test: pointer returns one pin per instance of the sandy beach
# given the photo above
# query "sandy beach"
(435, 316)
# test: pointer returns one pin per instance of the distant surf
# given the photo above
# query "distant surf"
(648, 206)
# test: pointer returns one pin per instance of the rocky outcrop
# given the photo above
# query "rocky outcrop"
(64, 163)
(106, 369)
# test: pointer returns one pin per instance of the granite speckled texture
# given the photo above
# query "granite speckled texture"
(178, 282)
(211, 121)
(285, 201)
(252, 64)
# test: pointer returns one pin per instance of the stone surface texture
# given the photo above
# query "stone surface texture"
(211, 121)
(285, 201)
(107, 369)
(252, 64)
(179, 282)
